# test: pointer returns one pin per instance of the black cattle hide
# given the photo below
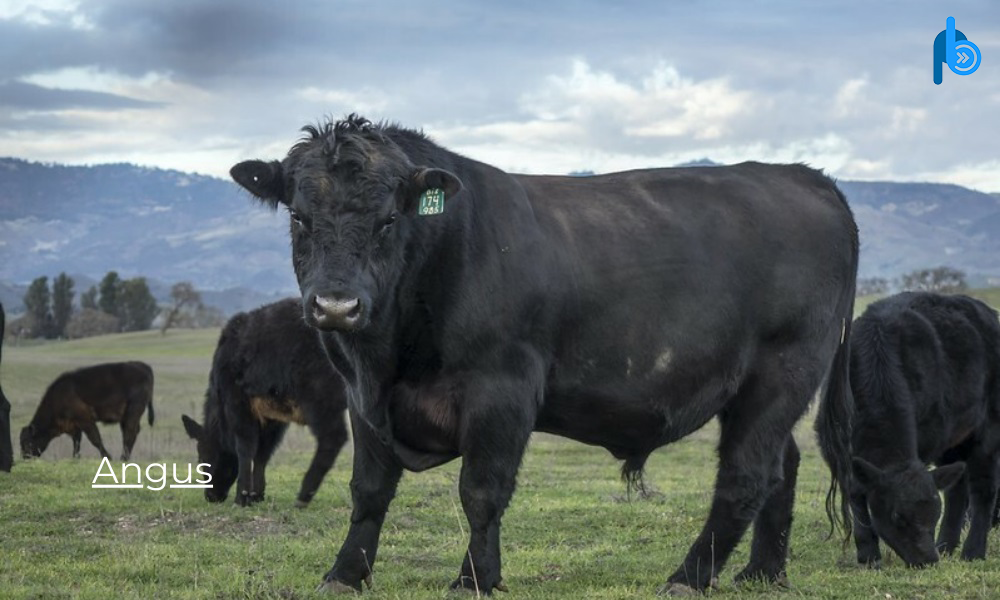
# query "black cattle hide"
(269, 370)
(467, 307)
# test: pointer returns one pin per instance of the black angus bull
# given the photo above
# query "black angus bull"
(925, 376)
(269, 370)
(77, 400)
(6, 447)
(624, 310)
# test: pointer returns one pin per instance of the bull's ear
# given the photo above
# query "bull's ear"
(193, 429)
(423, 179)
(265, 180)
(948, 475)
(867, 474)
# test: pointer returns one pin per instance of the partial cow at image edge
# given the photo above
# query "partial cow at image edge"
(925, 383)
(6, 446)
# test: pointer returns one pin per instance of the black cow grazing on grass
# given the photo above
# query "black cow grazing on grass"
(466, 307)
(269, 370)
(77, 400)
(6, 447)
(925, 375)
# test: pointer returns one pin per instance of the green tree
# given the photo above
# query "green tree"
(88, 299)
(110, 289)
(183, 295)
(62, 303)
(36, 301)
(944, 280)
(137, 305)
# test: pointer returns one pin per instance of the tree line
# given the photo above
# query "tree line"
(944, 280)
(114, 305)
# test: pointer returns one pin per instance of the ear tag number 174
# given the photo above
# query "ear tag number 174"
(431, 202)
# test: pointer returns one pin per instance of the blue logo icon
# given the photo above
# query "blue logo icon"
(951, 46)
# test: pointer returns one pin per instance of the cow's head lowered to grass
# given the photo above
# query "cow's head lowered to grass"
(352, 194)
(222, 464)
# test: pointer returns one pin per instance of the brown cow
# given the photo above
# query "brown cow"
(77, 400)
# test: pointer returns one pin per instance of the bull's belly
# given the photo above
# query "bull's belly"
(626, 419)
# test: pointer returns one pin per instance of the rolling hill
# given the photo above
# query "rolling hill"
(171, 226)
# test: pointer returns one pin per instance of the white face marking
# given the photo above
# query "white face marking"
(628, 367)
(663, 361)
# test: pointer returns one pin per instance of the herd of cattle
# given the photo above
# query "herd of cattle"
(452, 309)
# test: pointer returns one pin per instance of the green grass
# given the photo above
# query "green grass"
(569, 532)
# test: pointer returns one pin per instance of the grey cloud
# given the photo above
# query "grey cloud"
(467, 64)
(20, 95)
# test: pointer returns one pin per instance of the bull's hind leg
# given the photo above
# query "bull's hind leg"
(774, 522)
(755, 426)
(981, 469)
(130, 431)
(130, 426)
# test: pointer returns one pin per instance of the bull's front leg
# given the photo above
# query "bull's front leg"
(373, 486)
(498, 415)
(865, 538)
(247, 439)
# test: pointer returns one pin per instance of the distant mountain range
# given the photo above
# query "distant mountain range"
(171, 226)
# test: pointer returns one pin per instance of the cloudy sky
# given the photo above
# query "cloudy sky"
(537, 86)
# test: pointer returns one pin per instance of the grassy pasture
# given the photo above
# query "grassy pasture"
(570, 532)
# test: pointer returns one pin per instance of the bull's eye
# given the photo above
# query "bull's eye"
(388, 222)
(295, 218)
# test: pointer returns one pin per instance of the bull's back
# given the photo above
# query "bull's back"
(665, 262)
(931, 356)
(270, 359)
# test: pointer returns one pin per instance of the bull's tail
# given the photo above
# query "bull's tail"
(833, 428)
(836, 412)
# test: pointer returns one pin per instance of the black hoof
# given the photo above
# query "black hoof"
(470, 584)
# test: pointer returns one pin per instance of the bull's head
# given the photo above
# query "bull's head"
(33, 442)
(223, 465)
(351, 195)
(904, 505)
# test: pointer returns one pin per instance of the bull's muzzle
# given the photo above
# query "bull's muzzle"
(333, 312)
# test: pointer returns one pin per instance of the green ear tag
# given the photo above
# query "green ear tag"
(431, 202)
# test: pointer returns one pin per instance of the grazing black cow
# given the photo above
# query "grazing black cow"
(925, 375)
(269, 370)
(77, 400)
(6, 447)
(466, 307)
